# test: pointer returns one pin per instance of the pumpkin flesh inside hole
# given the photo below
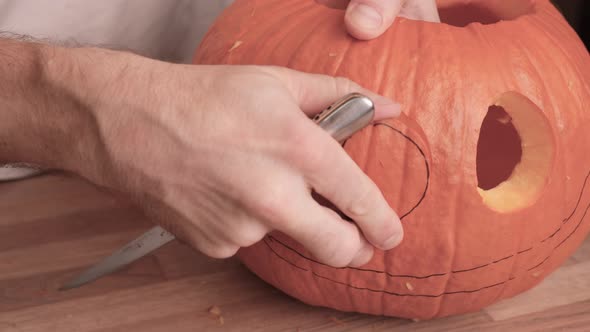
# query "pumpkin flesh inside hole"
(335, 4)
(515, 153)
(462, 13)
(499, 149)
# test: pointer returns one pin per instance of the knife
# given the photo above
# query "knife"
(341, 120)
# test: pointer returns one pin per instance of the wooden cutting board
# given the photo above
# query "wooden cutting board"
(53, 226)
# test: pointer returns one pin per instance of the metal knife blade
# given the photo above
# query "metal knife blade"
(341, 119)
(143, 245)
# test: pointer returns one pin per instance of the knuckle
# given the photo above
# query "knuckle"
(221, 251)
(269, 205)
(365, 204)
(309, 152)
(296, 141)
(315, 157)
(249, 235)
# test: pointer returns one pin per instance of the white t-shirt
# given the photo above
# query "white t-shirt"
(164, 29)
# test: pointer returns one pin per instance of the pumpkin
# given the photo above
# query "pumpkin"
(488, 167)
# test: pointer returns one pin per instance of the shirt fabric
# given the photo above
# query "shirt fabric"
(163, 29)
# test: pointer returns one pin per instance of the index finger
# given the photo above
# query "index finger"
(334, 175)
(329, 169)
(315, 92)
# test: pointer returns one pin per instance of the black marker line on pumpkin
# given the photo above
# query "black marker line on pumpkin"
(583, 189)
(579, 199)
(455, 271)
(552, 235)
(425, 163)
(317, 275)
(523, 251)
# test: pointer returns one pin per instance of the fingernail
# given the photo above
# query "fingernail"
(393, 241)
(386, 109)
(365, 17)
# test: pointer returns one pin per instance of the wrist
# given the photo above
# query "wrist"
(87, 81)
(109, 88)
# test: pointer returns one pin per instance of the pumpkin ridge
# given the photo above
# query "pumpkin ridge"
(581, 51)
(274, 27)
(555, 42)
(310, 32)
(264, 31)
(344, 54)
(458, 192)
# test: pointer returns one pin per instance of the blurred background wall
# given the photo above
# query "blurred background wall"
(577, 13)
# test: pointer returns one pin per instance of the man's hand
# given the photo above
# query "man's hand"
(218, 155)
(368, 19)
(221, 156)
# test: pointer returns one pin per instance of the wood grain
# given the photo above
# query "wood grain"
(52, 227)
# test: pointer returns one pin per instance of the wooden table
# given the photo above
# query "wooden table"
(51, 227)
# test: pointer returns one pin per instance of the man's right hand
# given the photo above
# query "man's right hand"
(218, 155)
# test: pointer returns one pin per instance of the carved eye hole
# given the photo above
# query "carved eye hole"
(335, 4)
(515, 153)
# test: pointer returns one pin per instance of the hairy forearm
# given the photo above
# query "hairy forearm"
(35, 113)
(47, 98)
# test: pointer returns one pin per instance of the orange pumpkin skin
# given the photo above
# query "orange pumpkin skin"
(461, 252)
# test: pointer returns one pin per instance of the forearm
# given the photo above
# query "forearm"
(34, 111)
(47, 98)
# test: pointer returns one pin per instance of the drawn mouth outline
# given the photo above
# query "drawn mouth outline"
(271, 239)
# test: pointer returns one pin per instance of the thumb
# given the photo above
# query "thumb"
(368, 19)
(314, 92)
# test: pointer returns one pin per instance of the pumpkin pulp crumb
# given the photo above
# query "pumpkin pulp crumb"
(409, 286)
(504, 119)
(215, 313)
(214, 310)
(237, 44)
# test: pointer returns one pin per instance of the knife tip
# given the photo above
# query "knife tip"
(70, 285)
